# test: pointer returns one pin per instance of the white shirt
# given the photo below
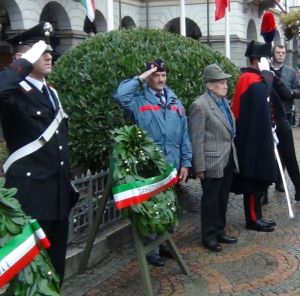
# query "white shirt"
(39, 85)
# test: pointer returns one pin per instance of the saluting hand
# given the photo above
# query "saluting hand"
(147, 73)
(35, 52)
(264, 64)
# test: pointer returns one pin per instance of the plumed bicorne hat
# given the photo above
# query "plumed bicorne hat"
(258, 50)
(267, 31)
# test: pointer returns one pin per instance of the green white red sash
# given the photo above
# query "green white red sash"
(133, 193)
(21, 250)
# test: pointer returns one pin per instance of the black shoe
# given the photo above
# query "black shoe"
(259, 226)
(212, 246)
(297, 196)
(268, 222)
(155, 260)
(279, 187)
(165, 252)
(226, 239)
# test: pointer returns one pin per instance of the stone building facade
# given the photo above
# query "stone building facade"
(68, 19)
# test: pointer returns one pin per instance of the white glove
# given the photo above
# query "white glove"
(264, 64)
(35, 52)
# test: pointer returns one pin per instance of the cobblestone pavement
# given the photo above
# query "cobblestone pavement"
(260, 264)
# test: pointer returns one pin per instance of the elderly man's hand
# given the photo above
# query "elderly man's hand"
(200, 175)
(147, 73)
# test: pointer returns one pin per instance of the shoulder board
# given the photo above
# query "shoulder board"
(25, 86)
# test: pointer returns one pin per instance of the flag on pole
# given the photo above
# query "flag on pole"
(90, 7)
(220, 8)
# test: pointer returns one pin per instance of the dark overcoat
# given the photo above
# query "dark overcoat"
(42, 178)
(254, 140)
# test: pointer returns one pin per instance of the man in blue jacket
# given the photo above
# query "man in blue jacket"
(153, 106)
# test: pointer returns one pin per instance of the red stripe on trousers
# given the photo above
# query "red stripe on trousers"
(252, 205)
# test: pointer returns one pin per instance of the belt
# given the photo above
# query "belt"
(36, 144)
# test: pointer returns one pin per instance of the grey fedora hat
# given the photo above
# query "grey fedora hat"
(214, 73)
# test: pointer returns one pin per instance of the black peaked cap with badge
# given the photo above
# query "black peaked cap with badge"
(42, 31)
(156, 63)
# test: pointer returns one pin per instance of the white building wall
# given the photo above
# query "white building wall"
(24, 14)
(136, 12)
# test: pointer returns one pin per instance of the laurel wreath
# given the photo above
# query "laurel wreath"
(136, 157)
(37, 278)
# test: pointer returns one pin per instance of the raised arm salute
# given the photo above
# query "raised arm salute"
(153, 106)
(35, 130)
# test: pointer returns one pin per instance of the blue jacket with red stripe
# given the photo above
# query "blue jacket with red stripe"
(166, 125)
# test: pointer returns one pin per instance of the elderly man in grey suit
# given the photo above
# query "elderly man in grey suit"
(212, 129)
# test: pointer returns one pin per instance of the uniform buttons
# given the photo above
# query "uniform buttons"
(60, 147)
(57, 131)
(38, 112)
(61, 163)
(28, 174)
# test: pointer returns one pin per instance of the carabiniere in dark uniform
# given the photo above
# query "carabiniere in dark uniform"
(41, 177)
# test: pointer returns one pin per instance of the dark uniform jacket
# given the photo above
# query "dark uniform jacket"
(288, 76)
(254, 141)
(42, 178)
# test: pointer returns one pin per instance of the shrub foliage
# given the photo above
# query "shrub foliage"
(87, 75)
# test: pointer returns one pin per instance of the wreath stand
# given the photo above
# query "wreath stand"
(141, 249)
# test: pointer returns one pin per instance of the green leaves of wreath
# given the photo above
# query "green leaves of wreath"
(37, 278)
(136, 157)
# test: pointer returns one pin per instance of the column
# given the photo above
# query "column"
(110, 15)
(182, 18)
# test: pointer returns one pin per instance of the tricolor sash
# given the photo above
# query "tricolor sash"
(21, 250)
(133, 193)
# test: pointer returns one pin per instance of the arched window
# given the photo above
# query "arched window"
(127, 23)
(192, 29)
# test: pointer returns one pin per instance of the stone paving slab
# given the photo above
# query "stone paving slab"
(260, 264)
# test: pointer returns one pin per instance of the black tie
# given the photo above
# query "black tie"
(161, 98)
(51, 98)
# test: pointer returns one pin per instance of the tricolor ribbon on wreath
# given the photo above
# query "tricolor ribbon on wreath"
(21, 250)
(133, 193)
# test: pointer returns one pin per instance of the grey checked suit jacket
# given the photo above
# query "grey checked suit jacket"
(211, 137)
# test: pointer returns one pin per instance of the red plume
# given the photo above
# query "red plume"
(268, 22)
(268, 27)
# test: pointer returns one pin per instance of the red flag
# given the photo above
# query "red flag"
(220, 8)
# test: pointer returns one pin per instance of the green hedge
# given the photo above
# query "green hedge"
(87, 75)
